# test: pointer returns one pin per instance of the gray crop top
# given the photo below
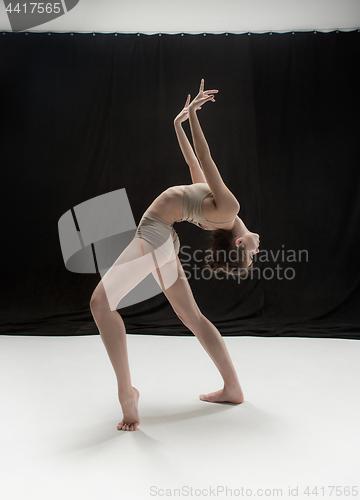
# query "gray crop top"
(193, 197)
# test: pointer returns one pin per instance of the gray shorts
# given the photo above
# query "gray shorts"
(159, 233)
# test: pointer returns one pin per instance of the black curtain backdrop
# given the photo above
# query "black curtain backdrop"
(85, 115)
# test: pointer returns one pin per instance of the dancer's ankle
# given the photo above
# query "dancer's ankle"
(232, 386)
(125, 393)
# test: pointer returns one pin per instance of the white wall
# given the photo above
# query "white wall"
(194, 16)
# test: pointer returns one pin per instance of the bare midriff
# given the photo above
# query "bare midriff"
(169, 207)
(169, 204)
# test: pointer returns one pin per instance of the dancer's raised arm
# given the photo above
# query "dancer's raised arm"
(185, 146)
(223, 197)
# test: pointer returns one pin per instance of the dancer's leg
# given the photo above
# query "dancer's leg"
(131, 267)
(182, 301)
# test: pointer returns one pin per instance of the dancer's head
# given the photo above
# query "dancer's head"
(231, 253)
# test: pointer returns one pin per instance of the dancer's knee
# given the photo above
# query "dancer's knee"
(99, 303)
(192, 320)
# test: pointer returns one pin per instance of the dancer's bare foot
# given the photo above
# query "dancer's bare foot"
(129, 407)
(225, 395)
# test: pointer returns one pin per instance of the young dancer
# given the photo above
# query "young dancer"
(210, 205)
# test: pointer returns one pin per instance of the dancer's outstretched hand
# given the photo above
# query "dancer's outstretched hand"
(203, 96)
(184, 113)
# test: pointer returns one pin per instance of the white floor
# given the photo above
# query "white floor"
(298, 427)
